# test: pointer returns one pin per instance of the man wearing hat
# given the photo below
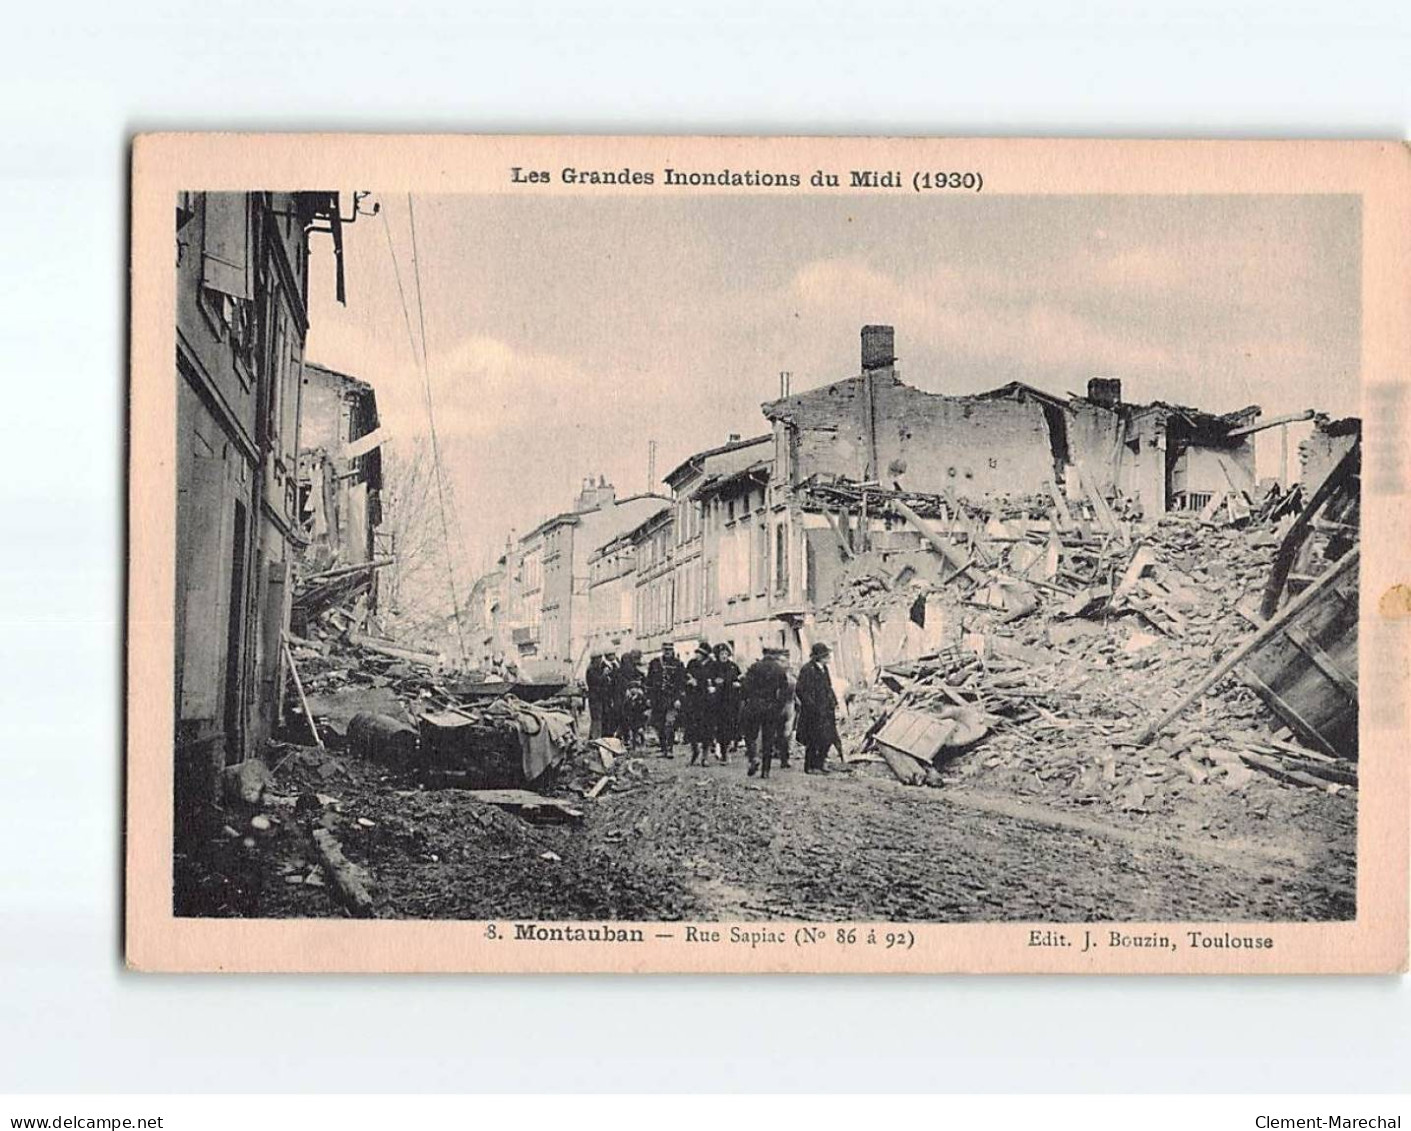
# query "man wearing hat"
(817, 727)
(665, 681)
(697, 703)
(608, 681)
(766, 693)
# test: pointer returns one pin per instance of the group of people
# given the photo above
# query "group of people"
(715, 706)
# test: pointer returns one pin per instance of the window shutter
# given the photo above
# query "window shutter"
(225, 253)
(205, 554)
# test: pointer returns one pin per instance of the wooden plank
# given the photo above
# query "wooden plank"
(299, 687)
(936, 542)
(1207, 512)
(1324, 663)
(349, 880)
(1283, 708)
(364, 444)
(1295, 749)
(843, 546)
(1282, 773)
(396, 651)
(1106, 519)
(530, 804)
(1141, 559)
(1321, 706)
(1347, 470)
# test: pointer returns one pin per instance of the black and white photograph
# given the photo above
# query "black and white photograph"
(620, 563)
(751, 564)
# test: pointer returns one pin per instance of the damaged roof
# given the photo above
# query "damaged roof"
(620, 510)
(1197, 419)
(700, 459)
(759, 469)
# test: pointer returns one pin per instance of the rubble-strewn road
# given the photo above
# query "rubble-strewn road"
(695, 843)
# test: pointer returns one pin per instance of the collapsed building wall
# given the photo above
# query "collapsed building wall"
(876, 427)
(1324, 448)
(975, 447)
(1011, 442)
(340, 469)
(1096, 436)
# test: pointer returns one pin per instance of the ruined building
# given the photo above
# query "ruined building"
(1011, 442)
(756, 538)
(340, 470)
(1320, 454)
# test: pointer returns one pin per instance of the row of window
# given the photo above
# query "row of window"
(750, 557)
(616, 564)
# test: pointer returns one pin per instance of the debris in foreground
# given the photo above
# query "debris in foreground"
(349, 880)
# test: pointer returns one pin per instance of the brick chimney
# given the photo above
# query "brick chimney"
(878, 350)
(1106, 391)
(595, 496)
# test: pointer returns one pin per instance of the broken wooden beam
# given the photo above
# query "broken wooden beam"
(532, 806)
(1272, 422)
(1289, 774)
(350, 881)
(299, 687)
(343, 571)
(937, 543)
(396, 651)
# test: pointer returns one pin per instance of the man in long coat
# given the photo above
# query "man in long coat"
(666, 679)
(765, 695)
(599, 689)
(817, 724)
(609, 683)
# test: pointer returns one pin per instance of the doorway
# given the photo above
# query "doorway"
(235, 643)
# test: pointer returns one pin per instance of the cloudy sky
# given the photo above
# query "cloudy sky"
(563, 334)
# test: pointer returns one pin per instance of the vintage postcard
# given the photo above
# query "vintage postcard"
(768, 555)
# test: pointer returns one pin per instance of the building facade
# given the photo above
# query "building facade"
(653, 583)
(697, 530)
(545, 612)
(612, 573)
(242, 270)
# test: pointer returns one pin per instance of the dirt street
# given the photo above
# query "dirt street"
(679, 842)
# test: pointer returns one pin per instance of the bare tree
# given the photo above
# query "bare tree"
(419, 607)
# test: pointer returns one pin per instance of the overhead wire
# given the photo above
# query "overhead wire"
(423, 359)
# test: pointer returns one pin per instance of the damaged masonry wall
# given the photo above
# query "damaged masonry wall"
(340, 485)
(1014, 441)
(1324, 448)
(877, 427)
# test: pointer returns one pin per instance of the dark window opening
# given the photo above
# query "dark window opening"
(1057, 422)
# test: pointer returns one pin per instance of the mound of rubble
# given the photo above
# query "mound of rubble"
(1047, 653)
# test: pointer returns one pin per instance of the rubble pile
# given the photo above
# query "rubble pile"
(1066, 642)
(412, 711)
